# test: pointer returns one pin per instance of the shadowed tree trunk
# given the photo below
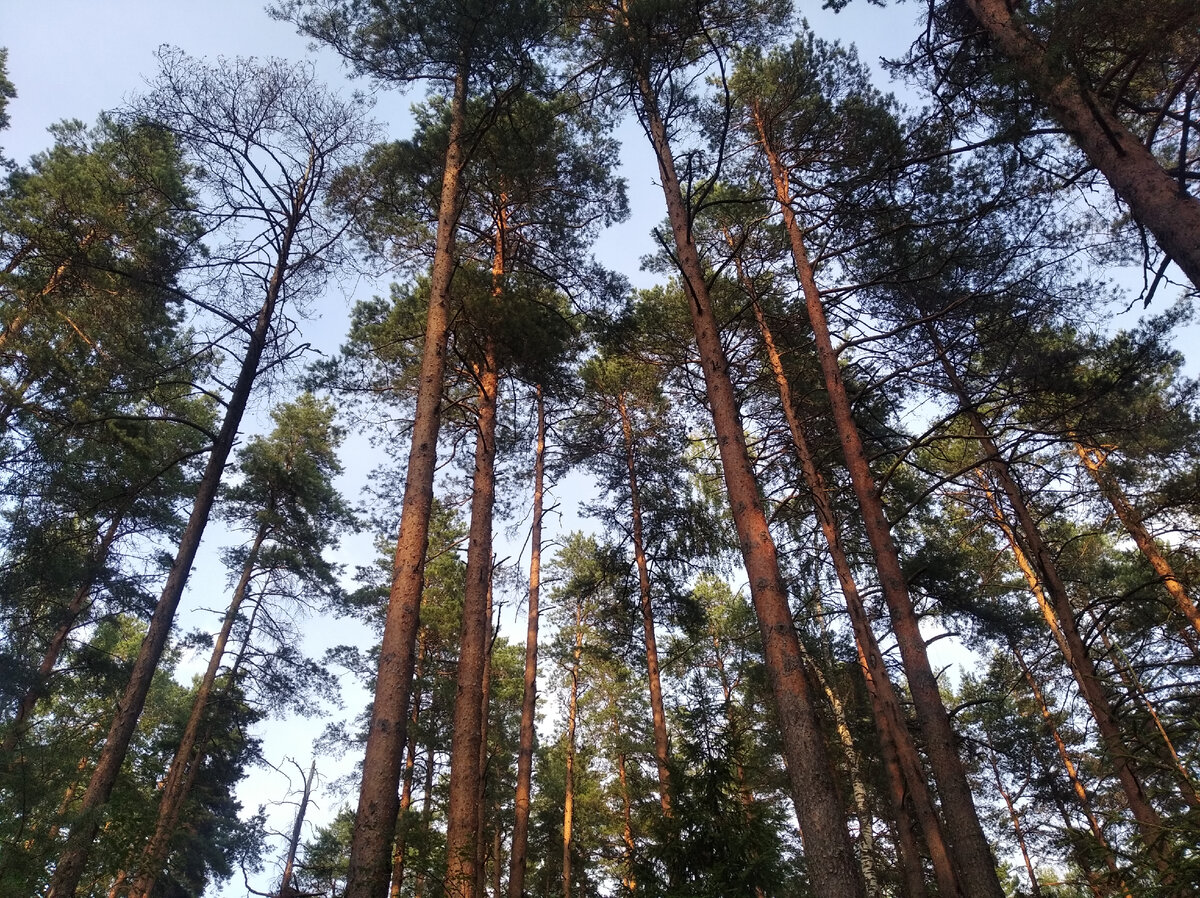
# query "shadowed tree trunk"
(465, 772)
(520, 836)
(1155, 198)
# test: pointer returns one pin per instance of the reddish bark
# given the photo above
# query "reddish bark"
(466, 741)
(827, 845)
(378, 801)
(968, 844)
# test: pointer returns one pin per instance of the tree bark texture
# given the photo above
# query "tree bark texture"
(520, 836)
(1154, 197)
(465, 772)
(378, 801)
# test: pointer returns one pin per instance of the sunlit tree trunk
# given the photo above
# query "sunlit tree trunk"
(379, 801)
(828, 849)
(968, 845)
(908, 785)
(465, 773)
(1093, 462)
(1040, 569)
(639, 553)
(569, 777)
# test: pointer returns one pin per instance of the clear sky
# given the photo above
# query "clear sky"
(76, 58)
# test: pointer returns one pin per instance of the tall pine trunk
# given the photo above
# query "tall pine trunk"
(465, 773)
(1156, 199)
(189, 755)
(827, 846)
(908, 785)
(969, 846)
(73, 860)
(378, 798)
(657, 713)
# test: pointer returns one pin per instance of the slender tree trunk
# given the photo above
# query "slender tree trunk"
(1059, 614)
(189, 755)
(661, 750)
(378, 801)
(828, 849)
(968, 844)
(426, 808)
(858, 785)
(1035, 888)
(71, 862)
(909, 786)
(480, 841)
(1081, 794)
(410, 755)
(20, 721)
(628, 880)
(465, 773)
(569, 778)
(1129, 678)
(520, 836)
(1093, 463)
(1155, 198)
(286, 889)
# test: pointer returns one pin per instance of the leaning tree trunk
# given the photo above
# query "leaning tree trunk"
(465, 773)
(71, 863)
(520, 836)
(902, 761)
(969, 845)
(1155, 198)
(1093, 462)
(828, 849)
(378, 800)
(189, 754)
(286, 889)
(1042, 572)
(657, 713)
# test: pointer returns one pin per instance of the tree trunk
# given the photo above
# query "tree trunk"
(1085, 802)
(378, 800)
(827, 845)
(486, 688)
(569, 777)
(410, 760)
(1060, 616)
(286, 889)
(1034, 887)
(520, 836)
(1093, 463)
(71, 863)
(465, 773)
(901, 757)
(969, 846)
(189, 755)
(639, 553)
(1155, 198)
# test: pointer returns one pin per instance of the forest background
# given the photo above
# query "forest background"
(99, 59)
